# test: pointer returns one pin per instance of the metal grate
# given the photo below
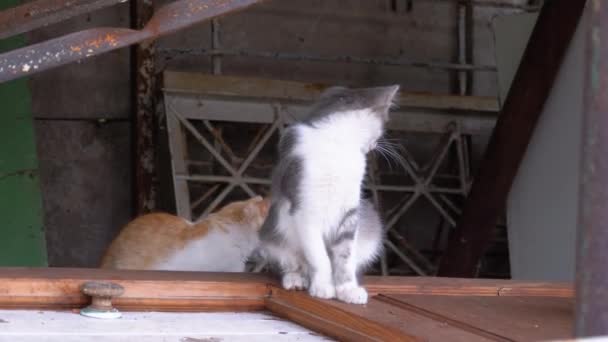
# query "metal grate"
(196, 117)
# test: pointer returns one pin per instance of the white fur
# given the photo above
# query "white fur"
(221, 250)
(369, 242)
(351, 293)
(334, 160)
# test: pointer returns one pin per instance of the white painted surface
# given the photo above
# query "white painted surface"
(66, 326)
(542, 206)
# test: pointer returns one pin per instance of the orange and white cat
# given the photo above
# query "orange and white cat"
(220, 242)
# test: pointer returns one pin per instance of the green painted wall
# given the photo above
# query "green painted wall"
(22, 241)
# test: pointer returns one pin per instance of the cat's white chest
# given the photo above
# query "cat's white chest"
(334, 175)
(218, 251)
(333, 161)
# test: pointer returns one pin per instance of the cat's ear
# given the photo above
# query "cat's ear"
(379, 96)
(381, 99)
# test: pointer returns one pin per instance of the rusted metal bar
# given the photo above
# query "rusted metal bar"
(40, 13)
(592, 278)
(143, 120)
(76, 46)
(531, 86)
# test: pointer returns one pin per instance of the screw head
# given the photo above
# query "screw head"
(98, 289)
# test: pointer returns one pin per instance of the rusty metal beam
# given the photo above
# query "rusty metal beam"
(40, 13)
(531, 86)
(80, 45)
(592, 278)
(144, 81)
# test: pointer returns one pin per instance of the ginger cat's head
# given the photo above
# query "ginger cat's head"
(251, 212)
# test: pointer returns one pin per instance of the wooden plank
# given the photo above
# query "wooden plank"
(425, 328)
(185, 82)
(192, 291)
(205, 107)
(178, 148)
(531, 86)
(41, 288)
(374, 321)
(465, 287)
(512, 318)
(321, 324)
(329, 318)
(144, 290)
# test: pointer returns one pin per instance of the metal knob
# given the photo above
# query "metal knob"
(101, 299)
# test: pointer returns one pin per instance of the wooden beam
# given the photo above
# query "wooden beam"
(465, 287)
(531, 86)
(59, 288)
(239, 109)
(329, 319)
(381, 319)
(162, 291)
(393, 315)
(187, 82)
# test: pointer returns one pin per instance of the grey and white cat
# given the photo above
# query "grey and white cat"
(319, 231)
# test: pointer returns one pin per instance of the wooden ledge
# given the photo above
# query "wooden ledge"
(144, 290)
(400, 308)
(259, 88)
(465, 287)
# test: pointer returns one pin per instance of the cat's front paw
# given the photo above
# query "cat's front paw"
(325, 290)
(294, 281)
(351, 293)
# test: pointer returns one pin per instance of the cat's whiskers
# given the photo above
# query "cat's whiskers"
(388, 150)
(381, 151)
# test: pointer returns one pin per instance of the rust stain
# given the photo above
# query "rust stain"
(109, 39)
